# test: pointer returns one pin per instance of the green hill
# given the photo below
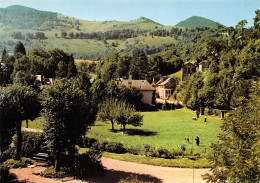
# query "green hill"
(196, 21)
(86, 39)
(21, 17)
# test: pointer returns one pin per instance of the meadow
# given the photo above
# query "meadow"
(162, 129)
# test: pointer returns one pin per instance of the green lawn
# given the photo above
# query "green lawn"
(35, 124)
(163, 129)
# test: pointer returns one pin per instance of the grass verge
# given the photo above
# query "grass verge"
(178, 162)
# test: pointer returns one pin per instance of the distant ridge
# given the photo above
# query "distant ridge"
(146, 20)
(196, 21)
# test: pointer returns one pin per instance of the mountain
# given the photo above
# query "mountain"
(196, 21)
(21, 17)
(87, 39)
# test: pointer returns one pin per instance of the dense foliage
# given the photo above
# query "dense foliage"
(17, 103)
(22, 68)
(119, 112)
(67, 114)
(235, 157)
(231, 66)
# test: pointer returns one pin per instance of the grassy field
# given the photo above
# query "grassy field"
(163, 129)
(35, 124)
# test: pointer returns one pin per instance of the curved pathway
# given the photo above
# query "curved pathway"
(116, 170)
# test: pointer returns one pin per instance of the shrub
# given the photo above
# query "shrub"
(11, 163)
(134, 151)
(91, 141)
(103, 145)
(164, 153)
(147, 149)
(32, 142)
(115, 147)
(5, 176)
(87, 142)
(8, 154)
(80, 165)
(132, 179)
(177, 152)
(50, 172)
(183, 147)
(88, 164)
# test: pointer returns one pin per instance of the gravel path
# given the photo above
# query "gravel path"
(31, 130)
(116, 170)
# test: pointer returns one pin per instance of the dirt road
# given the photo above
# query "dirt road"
(116, 170)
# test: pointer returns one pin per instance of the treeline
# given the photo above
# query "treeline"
(22, 67)
(138, 65)
(232, 68)
(28, 36)
(108, 35)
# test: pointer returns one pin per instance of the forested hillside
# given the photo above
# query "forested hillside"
(19, 17)
(92, 39)
(196, 21)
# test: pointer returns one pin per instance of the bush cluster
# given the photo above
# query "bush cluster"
(11, 163)
(7, 154)
(32, 143)
(5, 176)
(79, 166)
(147, 150)
(132, 179)
(115, 147)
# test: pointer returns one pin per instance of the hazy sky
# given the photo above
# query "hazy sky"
(166, 12)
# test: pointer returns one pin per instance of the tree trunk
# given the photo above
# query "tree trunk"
(57, 164)
(124, 128)
(27, 125)
(112, 122)
(19, 141)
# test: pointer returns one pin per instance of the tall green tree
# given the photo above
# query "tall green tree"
(67, 114)
(22, 71)
(18, 103)
(139, 65)
(236, 157)
(19, 50)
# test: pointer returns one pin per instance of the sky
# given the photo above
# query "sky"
(166, 12)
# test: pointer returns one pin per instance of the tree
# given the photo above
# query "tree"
(124, 114)
(22, 71)
(191, 91)
(4, 56)
(235, 158)
(64, 34)
(138, 65)
(71, 35)
(18, 103)
(19, 50)
(108, 111)
(67, 114)
(127, 115)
